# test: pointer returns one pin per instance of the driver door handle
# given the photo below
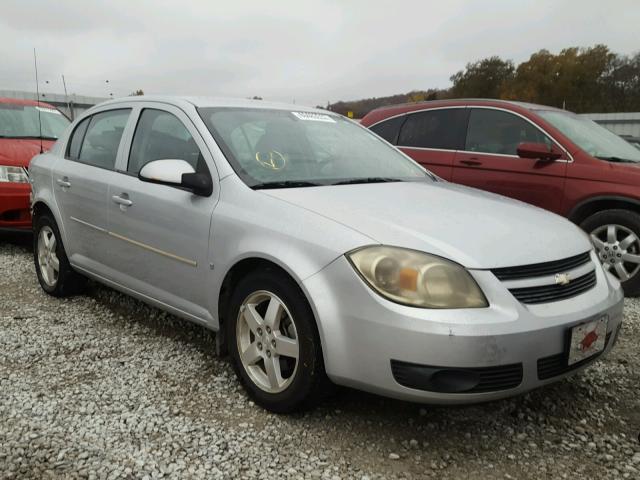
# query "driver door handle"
(122, 201)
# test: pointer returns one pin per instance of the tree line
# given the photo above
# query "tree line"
(579, 79)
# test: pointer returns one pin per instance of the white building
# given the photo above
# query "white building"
(627, 123)
(72, 105)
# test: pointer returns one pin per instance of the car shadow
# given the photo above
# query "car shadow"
(23, 241)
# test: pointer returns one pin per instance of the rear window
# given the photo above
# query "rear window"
(443, 128)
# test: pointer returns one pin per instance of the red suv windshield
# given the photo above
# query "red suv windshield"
(594, 139)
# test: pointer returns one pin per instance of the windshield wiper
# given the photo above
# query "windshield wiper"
(353, 181)
(616, 159)
(285, 184)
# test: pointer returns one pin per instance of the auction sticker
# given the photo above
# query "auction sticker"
(314, 117)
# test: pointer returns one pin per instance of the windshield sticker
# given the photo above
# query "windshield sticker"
(48, 110)
(314, 117)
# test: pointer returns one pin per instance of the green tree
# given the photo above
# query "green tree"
(485, 78)
(577, 79)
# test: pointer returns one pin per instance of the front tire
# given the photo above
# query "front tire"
(615, 235)
(55, 274)
(274, 343)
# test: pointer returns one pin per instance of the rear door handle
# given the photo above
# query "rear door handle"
(122, 201)
(63, 182)
(471, 162)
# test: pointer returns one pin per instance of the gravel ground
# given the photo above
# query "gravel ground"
(102, 386)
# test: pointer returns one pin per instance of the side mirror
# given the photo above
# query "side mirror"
(176, 173)
(539, 151)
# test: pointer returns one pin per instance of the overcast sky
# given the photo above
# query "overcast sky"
(308, 51)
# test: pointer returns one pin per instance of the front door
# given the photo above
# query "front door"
(490, 161)
(162, 232)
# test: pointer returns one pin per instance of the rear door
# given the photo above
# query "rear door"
(489, 160)
(162, 232)
(431, 138)
(81, 182)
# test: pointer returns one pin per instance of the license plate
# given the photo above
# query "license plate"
(587, 339)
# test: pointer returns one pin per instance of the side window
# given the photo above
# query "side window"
(161, 135)
(442, 128)
(495, 131)
(102, 138)
(73, 147)
(389, 129)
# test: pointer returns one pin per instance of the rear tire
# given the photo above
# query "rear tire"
(615, 235)
(55, 274)
(269, 323)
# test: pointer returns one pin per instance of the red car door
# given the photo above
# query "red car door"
(489, 160)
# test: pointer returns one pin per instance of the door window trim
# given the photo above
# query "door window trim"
(486, 107)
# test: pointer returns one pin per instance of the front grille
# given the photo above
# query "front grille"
(441, 379)
(555, 365)
(541, 269)
(555, 292)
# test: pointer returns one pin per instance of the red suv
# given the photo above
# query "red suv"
(21, 136)
(541, 155)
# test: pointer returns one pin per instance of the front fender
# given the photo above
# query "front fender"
(249, 224)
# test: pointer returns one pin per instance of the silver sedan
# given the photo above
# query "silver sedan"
(318, 252)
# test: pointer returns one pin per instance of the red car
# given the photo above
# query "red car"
(548, 157)
(20, 140)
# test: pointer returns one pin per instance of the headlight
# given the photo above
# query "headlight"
(13, 174)
(417, 279)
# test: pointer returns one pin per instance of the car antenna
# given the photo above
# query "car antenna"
(35, 65)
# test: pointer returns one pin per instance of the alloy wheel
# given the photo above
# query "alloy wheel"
(267, 341)
(618, 249)
(47, 257)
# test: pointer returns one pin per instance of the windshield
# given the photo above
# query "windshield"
(282, 148)
(594, 139)
(21, 121)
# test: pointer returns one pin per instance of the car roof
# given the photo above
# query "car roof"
(382, 113)
(221, 102)
(21, 101)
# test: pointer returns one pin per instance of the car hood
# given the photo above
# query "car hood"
(474, 228)
(18, 152)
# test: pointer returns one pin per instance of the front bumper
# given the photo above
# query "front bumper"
(362, 333)
(15, 214)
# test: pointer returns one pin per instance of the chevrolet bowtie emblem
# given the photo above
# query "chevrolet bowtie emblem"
(563, 279)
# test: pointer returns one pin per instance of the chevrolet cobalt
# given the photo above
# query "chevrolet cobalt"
(318, 252)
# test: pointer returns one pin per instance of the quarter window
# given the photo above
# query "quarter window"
(495, 131)
(101, 140)
(161, 135)
(389, 129)
(442, 129)
(77, 136)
